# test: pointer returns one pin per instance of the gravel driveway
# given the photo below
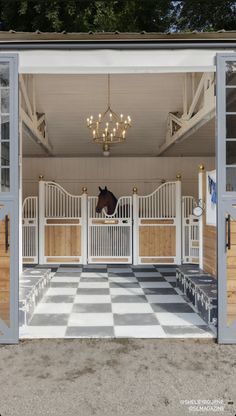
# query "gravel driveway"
(116, 377)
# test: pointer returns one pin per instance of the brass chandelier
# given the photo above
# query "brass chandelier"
(109, 128)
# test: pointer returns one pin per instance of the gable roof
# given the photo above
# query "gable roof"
(113, 37)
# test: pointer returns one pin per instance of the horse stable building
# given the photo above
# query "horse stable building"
(118, 185)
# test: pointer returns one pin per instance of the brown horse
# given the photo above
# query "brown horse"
(106, 199)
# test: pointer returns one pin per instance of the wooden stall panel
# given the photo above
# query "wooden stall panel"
(209, 240)
(28, 260)
(62, 240)
(63, 221)
(157, 241)
(209, 249)
(110, 260)
(4, 274)
(231, 275)
(157, 260)
(63, 260)
(156, 222)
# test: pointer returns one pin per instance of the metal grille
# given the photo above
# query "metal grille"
(59, 203)
(110, 236)
(30, 230)
(160, 204)
(190, 231)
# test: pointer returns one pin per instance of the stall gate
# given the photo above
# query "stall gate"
(30, 230)
(62, 225)
(110, 236)
(157, 225)
(190, 232)
(151, 229)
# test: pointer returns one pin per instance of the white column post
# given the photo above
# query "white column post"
(41, 215)
(200, 198)
(135, 227)
(178, 219)
(185, 96)
(183, 222)
(84, 227)
(20, 193)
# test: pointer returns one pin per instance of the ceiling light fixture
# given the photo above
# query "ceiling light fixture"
(108, 128)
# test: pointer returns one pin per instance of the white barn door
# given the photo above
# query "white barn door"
(9, 199)
(226, 189)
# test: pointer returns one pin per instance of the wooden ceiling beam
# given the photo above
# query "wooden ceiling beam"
(34, 121)
(195, 114)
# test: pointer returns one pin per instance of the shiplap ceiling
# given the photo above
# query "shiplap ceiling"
(67, 101)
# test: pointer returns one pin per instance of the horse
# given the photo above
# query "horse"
(106, 199)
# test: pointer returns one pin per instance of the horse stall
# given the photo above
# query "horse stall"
(157, 223)
(140, 229)
(62, 225)
(149, 229)
(121, 202)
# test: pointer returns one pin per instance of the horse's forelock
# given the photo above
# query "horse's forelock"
(104, 191)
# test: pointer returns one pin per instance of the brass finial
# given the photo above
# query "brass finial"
(201, 167)
(178, 177)
(135, 190)
(84, 190)
(163, 180)
(41, 177)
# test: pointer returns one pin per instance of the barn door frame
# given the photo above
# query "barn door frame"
(226, 210)
(9, 198)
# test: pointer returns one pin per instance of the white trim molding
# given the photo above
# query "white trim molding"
(102, 61)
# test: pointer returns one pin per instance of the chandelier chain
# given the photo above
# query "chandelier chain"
(108, 92)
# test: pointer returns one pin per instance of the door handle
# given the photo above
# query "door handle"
(228, 238)
(7, 245)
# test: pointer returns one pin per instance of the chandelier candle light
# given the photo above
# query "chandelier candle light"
(109, 128)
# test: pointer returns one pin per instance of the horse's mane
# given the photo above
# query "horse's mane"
(113, 196)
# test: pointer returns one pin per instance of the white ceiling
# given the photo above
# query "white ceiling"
(67, 101)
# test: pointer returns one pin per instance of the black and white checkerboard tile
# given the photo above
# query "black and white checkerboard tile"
(115, 301)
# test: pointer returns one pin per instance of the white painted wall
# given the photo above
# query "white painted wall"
(119, 174)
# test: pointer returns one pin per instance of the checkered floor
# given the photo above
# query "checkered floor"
(115, 301)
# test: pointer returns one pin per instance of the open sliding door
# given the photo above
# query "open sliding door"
(9, 195)
(226, 179)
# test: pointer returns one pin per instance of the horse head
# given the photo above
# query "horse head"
(107, 200)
